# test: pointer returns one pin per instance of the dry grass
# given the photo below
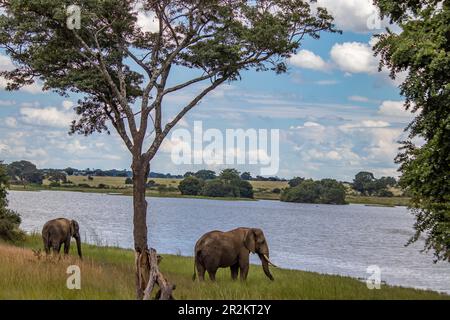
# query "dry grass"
(107, 273)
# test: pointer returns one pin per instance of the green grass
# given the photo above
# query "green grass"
(107, 273)
(379, 201)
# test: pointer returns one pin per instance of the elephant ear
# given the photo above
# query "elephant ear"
(73, 227)
(250, 241)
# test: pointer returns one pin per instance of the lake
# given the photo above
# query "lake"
(329, 239)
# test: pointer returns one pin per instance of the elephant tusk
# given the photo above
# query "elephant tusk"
(269, 262)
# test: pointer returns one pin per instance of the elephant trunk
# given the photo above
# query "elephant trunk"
(265, 265)
(77, 238)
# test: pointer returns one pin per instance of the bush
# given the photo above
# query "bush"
(385, 193)
(326, 191)
(55, 184)
(9, 220)
(9, 225)
(245, 189)
(276, 190)
(216, 188)
(103, 186)
(191, 185)
(128, 181)
(151, 183)
(84, 185)
(162, 188)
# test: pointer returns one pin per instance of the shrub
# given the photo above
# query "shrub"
(385, 193)
(245, 189)
(84, 185)
(191, 185)
(216, 188)
(103, 186)
(276, 190)
(326, 191)
(128, 181)
(9, 220)
(55, 184)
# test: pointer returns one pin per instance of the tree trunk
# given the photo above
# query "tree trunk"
(140, 171)
(147, 271)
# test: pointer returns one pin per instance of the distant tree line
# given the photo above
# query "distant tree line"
(228, 183)
(366, 184)
(325, 191)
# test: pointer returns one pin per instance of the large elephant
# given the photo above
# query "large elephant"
(217, 249)
(59, 231)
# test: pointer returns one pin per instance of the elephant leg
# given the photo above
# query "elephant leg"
(201, 272)
(56, 246)
(46, 246)
(234, 271)
(212, 274)
(244, 266)
(66, 247)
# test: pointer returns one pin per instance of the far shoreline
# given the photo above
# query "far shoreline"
(383, 202)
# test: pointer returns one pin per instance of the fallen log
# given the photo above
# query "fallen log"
(147, 266)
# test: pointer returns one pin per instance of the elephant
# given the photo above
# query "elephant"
(217, 249)
(59, 231)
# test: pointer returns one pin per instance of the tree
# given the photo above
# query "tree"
(123, 72)
(128, 181)
(295, 181)
(422, 50)
(191, 186)
(9, 220)
(245, 189)
(326, 191)
(364, 182)
(25, 172)
(216, 188)
(205, 174)
(189, 174)
(246, 176)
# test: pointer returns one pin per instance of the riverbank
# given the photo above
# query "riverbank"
(259, 195)
(107, 273)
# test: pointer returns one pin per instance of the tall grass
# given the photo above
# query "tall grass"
(107, 273)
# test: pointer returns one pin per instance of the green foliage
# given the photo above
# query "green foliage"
(295, 181)
(246, 176)
(128, 181)
(245, 189)
(9, 220)
(326, 191)
(217, 188)
(25, 172)
(205, 174)
(422, 50)
(366, 183)
(191, 185)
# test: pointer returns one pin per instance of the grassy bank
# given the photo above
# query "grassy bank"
(107, 273)
(262, 190)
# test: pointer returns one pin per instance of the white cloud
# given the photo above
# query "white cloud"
(309, 60)
(67, 105)
(358, 99)
(11, 122)
(354, 57)
(394, 109)
(50, 116)
(147, 21)
(326, 82)
(365, 124)
(7, 103)
(7, 65)
(354, 15)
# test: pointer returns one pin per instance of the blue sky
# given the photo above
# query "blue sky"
(336, 114)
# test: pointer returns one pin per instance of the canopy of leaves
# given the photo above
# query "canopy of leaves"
(422, 49)
(326, 191)
(9, 220)
(116, 65)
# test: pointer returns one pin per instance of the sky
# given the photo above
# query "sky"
(336, 114)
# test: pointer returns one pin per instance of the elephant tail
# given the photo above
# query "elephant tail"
(195, 267)
(195, 273)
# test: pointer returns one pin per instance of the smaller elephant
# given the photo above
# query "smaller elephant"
(60, 231)
(217, 249)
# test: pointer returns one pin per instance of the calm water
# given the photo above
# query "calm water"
(328, 239)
